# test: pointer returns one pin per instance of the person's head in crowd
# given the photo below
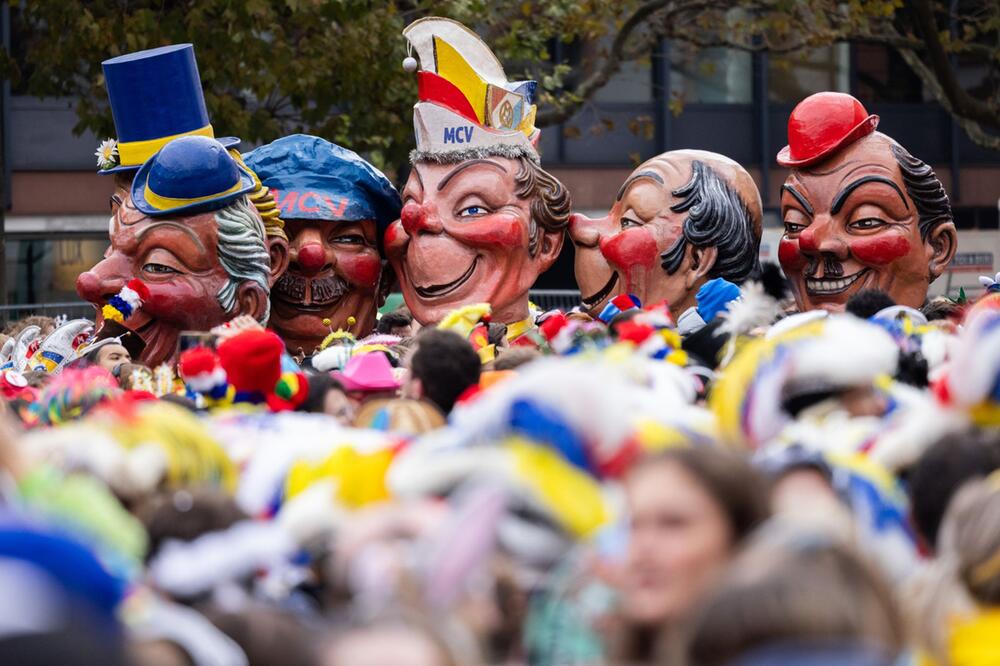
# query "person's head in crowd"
(792, 595)
(956, 609)
(109, 356)
(868, 302)
(400, 415)
(132, 376)
(268, 635)
(689, 509)
(941, 471)
(941, 308)
(512, 358)
(443, 366)
(186, 514)
(398, 322)
(401, 640)
(46, 324)
(327, 396)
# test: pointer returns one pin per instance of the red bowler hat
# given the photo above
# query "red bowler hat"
(822, 124)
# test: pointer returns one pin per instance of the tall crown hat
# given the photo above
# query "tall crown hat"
(467, 108)
(155, 96)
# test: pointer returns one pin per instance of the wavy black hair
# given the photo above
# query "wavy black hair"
(926, 190)
(717, 217)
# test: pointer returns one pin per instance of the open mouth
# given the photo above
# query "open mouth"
(603, 292)
(438, 290)
(832, 286)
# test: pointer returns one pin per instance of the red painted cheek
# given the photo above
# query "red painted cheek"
(500, 229)
(880, 249)
(630, 248)
(187, 304)
(360, 269)
(393, 234)
(789, 255)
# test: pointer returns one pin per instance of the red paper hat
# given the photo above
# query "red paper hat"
(822, 124)
(252, 360)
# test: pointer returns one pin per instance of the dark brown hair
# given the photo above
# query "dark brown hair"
(550, 200)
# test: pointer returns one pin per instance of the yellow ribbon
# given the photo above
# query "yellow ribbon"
(134, 153)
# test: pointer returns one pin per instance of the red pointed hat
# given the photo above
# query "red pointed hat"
(822, 124)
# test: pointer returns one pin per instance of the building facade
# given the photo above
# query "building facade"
(726, 101)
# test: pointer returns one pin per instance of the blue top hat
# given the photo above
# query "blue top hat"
(313, 179)
(155, 96)
(190, 175)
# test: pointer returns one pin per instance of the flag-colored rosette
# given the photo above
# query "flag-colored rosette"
(122, 305)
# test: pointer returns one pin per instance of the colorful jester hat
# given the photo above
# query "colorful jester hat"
(467, 108)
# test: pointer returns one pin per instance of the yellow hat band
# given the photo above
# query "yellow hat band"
(134, 153)
(164, 203)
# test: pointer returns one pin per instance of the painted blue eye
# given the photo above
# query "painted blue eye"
(472, 211)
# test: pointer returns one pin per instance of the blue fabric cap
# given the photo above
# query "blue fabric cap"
(156, 94)
(195, 173)
(715, 296)
(313, 179)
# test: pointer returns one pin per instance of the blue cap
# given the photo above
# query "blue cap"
(192, 174)
(313, 179)
(155, 96)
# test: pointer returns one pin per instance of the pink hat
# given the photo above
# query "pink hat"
(368, 372)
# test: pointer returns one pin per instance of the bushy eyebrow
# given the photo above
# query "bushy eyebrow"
(641, 174)
(465, 165)
(838, 201)
(798, 197)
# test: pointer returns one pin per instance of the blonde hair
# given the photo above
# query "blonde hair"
(967, 570)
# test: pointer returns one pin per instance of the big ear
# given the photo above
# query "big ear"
(277, 249)
(251, 299)
(700, 263)
(549, 248)
(941, 245)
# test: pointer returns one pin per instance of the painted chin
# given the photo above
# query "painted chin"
(592, 301)
(447, 290)
(161, 342)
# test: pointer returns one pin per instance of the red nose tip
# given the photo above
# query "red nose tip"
(89, 286)
(412, 217)
(311, 257)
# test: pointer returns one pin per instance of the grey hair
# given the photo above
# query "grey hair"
(463, 155)
(717, 217)
(242, 252)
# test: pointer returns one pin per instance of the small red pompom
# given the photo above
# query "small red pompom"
(139, 287)
(197, 361)
(633, 332)
(553, 324)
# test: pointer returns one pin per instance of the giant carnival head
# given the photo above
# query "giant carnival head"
(481, 220)
(155, 97)
(188, 231)
(335, 206)
(680, 219)
(859, 211)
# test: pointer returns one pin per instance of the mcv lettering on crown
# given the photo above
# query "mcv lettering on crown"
(458, 134)
(308, 202)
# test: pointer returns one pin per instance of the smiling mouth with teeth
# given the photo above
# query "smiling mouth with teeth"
(438, 290)
(832, 286)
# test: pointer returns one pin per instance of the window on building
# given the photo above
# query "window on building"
(881, 75)
(710, 76)
(794, 76)
(44, 270)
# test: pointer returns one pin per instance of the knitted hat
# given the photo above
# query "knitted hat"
(252, 360)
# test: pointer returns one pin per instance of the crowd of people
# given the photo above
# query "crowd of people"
(792, 488)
